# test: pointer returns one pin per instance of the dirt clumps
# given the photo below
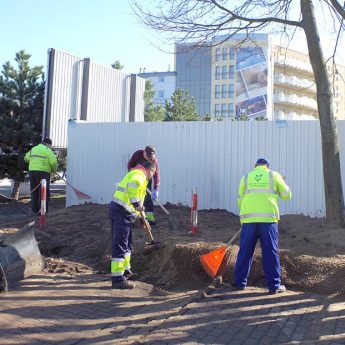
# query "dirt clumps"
(77, 240)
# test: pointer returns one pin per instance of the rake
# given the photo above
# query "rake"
(80, 195)
(215, 262)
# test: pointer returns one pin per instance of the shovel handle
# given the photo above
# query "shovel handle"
(233, 238)
(146, 225)
(159, 203)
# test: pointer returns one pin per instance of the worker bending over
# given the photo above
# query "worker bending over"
(123, 210)
(140, 157)
(259, 214)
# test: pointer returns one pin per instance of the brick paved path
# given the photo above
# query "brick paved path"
(48, 309)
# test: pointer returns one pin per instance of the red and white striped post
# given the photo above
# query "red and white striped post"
(194, 212)
(43, 201)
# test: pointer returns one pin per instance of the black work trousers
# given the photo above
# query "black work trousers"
(35, 180)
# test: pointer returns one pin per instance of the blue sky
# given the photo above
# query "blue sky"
(103, 30)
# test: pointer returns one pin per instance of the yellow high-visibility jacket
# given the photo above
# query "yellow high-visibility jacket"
(131, 189)
(41, 158)
(258, 196)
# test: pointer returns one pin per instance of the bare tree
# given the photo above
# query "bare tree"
(201, 20)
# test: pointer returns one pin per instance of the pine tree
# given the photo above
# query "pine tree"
(182, 108)
(152, 112)
(21, 112)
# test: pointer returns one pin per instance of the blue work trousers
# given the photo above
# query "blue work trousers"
(121, 233)
(268, 235)
(148, 203)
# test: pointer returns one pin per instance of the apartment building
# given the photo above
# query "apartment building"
(253, 78)
(163, 83)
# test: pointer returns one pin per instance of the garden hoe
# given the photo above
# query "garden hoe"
(151, 244)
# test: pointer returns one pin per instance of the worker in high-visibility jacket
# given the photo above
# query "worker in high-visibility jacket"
(258, 195)
(42, 161)
(139, 157)
(123, 210)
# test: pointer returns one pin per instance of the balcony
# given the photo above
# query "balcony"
(295, 82)
(292, 115)
(295, 100)
(293, 63)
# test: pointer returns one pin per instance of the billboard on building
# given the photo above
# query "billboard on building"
(251, 82)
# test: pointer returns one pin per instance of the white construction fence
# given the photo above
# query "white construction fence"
(211, 156)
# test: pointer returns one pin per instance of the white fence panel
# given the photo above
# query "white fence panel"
(212, 156)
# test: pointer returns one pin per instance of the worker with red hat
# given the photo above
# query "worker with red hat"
(123, 210)
(140, 157)
(258, 195)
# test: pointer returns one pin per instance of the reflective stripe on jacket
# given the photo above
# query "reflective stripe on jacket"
(41, 158)
(132, 189)
(258, 196)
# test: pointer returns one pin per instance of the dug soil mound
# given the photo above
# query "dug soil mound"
(78, 240)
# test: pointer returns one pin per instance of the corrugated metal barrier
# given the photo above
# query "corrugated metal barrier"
(212, 156)
(83, 90)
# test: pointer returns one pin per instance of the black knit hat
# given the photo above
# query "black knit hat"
(150, 150)
(47, 141)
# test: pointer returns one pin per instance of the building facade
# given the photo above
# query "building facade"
(253, 79)
(163, 83)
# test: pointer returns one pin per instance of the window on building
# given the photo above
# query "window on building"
(225, 53)
(224, 72)
(217, 109)
(217, 91)
(231, 90)
(224, 110)
(217, 54)
(161, 79)
(217, 72)
(232, 72)
(231, 53)
(231, 110)
(224, 91)
(161, 93)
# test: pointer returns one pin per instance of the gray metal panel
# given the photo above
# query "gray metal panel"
(193, 68)
(63, 93)
(83, 90)
(212, 156)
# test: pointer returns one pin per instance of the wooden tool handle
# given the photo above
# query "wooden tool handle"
(233, 238)
(146, 225)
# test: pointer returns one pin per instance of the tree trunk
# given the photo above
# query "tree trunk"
(15, 189)
(330, 146)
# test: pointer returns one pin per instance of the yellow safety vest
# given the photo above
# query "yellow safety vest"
(258, 196)
(41, 158)
(132, 188)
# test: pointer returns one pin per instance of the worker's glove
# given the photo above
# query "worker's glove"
(155, 194)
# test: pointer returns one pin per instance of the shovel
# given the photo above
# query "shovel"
(215, 262)
(171, 219)
(151, 244)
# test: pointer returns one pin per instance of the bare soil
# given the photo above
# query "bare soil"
(77, 240)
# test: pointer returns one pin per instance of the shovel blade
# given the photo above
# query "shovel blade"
(20, 256)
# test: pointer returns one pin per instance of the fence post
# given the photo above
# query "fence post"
(43, 201)
(194, 212)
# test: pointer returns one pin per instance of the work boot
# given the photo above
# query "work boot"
(123, 285)
(130, 275)
(281, 289)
